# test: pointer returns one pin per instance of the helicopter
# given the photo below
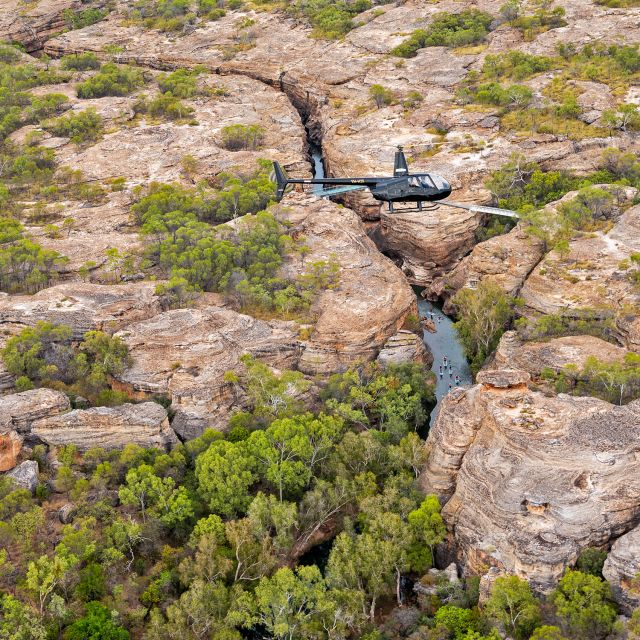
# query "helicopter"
(402, 187)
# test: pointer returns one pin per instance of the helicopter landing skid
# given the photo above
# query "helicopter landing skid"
(420, 207)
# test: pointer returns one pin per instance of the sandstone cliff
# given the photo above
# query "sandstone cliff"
(527, 480)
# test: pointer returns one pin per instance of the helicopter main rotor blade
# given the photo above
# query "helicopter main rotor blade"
(478, 208)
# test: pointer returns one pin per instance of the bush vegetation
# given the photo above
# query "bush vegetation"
(382, 96)
(470, 26)
(212, 539)
(164, 106)
(179, 15)
(87, 61)
(182, 83)
(77, 19)
(25, 267)
(618, 382)
(85, 126)
(111, 80)
(482, 316)
(47, 356)
(236, 137)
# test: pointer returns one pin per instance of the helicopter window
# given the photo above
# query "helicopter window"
(414, 182)
(427, 181)
(439, 181)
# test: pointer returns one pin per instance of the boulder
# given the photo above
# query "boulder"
(67, 512)
(527, 480)
(432, 582)
(19, 410)
(144, 424)
(10, 447)
(25, 475)
(428, 245)
(621, 569)
(185, 353)
(405, 347)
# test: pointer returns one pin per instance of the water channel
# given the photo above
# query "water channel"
(444, 342)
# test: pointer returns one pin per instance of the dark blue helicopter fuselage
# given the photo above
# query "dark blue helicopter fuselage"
(418, 188)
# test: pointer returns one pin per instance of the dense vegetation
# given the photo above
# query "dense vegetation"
(240, 260)
(615, 65)
(179, 15)
(617, 382)
(25, 267)
(302, 522)
(523, 186)
(482, 315)
(470, 26)
(47, 356)
(111, 80)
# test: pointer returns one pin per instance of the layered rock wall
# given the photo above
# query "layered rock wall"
(528, 480)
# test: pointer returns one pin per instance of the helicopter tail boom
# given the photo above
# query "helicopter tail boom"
(282, 180)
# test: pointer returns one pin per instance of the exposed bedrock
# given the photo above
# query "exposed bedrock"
(621, 569)
(10, 447)
(185, 353)
(372, 300)
(32, 24)
(81, 306)
(19, 411)
(527, 480)
(145, 424)
(554, 354)
(506, 260)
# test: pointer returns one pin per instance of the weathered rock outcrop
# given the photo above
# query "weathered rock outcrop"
(18, 411)
(529, 480)
(82, 306)
(10, 447)
(25, 475)
(430, 243)
(372, 300)
(505, 260)
(591, 280)
(553, 354)
(185, 353)
(405, 346)
(621, 569)
(145, 424)
(33, 24)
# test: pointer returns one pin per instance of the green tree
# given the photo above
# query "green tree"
(583, 604)
(18, 621)
(381, 96)
(97, 624)
(513, 605)
(225, 473)
(45, 574)
(547, 632)
(483, 315)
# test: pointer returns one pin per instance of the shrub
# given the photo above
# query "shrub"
(381, 96)
(235, 137)
(515, 65)
(24, 265)
(80, 62)
(46, 356)
(470, 26)
(83, 18)
(111, 80)
(85, 126)
(181, 83)
(166, 106)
